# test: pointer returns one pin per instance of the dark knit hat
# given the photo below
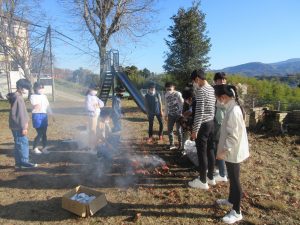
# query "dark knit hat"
(93, 86)
(23, 84)
(119, 89)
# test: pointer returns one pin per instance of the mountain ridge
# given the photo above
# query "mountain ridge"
(282, 68)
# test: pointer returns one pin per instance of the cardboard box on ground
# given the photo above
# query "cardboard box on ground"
(81, 209)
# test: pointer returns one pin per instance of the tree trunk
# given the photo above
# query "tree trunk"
(102, 55)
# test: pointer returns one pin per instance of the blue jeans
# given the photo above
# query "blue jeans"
(172, 120)
(21, 148)
(220, 163)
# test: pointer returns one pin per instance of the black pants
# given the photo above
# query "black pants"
(151, 120)
(235, 190)
(41, 133)
(206, 155)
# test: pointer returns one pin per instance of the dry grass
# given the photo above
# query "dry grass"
(270, 180)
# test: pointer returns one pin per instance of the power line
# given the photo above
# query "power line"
(60, 33)
(74, 40)
(77, 47)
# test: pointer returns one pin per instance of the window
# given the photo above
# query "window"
(14, 66)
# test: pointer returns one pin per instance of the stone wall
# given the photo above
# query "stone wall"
(263, 119)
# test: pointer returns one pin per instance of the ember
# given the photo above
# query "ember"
(149, 164)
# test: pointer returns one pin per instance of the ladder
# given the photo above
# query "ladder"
(107, 83)
(111, 61)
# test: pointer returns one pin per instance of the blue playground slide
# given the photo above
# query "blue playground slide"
(133, 91)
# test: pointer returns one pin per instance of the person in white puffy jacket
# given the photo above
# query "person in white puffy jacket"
(233, 147)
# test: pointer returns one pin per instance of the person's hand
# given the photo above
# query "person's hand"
(193, 136)
(162, 113)
(24, 132)
(166, 118)
(221, 155)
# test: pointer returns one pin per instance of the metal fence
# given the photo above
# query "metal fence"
(276, 105)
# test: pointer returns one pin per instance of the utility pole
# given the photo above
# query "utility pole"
(48, 34)
(44, 48)
(51, 63)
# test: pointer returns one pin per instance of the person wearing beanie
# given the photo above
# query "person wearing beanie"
(18, 123)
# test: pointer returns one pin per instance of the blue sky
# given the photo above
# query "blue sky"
(241, 31)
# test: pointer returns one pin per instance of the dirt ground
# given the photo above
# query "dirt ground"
(270, 179)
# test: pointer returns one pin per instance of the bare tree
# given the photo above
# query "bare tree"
(104, 18)
(14, 34)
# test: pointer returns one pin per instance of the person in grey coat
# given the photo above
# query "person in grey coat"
(18, 123)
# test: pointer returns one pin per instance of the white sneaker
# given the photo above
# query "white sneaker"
(211, 182)
(223, 202)
(218, 178)
(232, 217)
(172, 147)
(197, 183)
(36, 151)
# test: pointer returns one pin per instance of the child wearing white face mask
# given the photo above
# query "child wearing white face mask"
(232, 148)
(40, 110)
(93, 106)
(153, 105)
(173, 112)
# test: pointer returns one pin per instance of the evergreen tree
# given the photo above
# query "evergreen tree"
(189, 44)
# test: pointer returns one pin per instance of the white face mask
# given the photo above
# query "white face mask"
(152, 92)
(93, 92)
(24, 91)
(220, 103)
(41, 91)
(195, 85)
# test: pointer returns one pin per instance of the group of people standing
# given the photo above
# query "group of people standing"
(19, 119)
(213, 117)
(210, 115)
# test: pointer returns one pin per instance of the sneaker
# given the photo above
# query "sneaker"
(28, 166)
(232, 217)
(36, 151)
(211, 182)
(223, 202)
(45, 150)
(172, 147)
(196, 183)
(218, 178)
(149, 140)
